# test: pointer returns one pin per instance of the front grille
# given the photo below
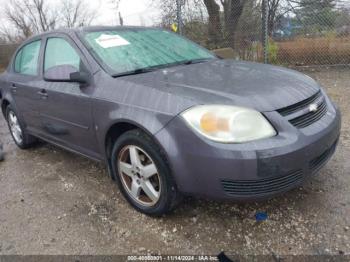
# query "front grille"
(306, 119)
(311, 117)
(299, 106)
(316, 163)
(262, 186)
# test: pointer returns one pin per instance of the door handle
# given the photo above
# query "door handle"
(43, 93)
(14, 88)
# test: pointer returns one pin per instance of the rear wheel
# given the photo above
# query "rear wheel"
(19, 135)
(143, 174)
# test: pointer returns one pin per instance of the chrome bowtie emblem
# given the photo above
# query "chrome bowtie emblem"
(313, 107)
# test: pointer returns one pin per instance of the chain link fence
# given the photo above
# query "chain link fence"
(240, 38)
(316, 34)
(283, 32)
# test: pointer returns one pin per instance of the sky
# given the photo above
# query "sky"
(134, 12)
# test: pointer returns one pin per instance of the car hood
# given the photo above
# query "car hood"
(259, 86)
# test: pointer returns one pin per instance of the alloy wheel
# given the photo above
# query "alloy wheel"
(139, 175)
(15, 127)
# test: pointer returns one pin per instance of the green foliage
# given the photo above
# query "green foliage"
(317, 16)
(273, 51)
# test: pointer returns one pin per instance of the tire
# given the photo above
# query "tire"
(26, 141)
(162, 195)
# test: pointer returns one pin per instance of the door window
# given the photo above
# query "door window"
(60, 52)
(27, 58)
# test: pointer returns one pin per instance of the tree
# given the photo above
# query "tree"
(214, 25)
(316, 15)
(273, 13)
(168, 8)
(223, 16)
(232, 12)
(28, 17)
(76, 13)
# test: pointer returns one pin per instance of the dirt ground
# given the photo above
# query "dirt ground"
(54, 202)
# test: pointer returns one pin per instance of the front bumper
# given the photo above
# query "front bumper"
(254, 170)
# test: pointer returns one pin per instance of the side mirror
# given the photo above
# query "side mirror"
(80, 77)
(65, 73)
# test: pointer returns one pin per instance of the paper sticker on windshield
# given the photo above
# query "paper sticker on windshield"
(107, 41)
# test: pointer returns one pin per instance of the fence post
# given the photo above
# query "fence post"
(178, 16)
(265, 29)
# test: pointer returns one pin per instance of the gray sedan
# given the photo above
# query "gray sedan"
(168, 117)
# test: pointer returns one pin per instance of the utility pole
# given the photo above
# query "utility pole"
(178, 16)
(121, 20)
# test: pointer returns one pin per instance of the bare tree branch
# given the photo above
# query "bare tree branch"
(35, 16)
(76, 13)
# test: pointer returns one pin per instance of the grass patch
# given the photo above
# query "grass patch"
(314, 51)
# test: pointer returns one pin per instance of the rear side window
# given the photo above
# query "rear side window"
(60, 52)
(27, 58)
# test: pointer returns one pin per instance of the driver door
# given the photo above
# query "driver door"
(66, 107)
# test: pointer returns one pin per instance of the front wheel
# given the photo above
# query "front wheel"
(143, 175)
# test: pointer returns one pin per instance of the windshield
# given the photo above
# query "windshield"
(128, 50)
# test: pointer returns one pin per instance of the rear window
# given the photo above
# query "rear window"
(26, 61)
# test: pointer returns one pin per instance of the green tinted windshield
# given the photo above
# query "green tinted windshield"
(131, 49)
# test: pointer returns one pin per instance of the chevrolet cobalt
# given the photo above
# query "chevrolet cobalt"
(167, 116)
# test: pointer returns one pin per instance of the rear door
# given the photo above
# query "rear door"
(66, 111)
(24, 79)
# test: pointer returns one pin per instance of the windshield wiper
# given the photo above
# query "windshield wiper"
(135, 72)
(153, 68)
(195, 61)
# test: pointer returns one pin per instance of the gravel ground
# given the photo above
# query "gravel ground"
(54, 202)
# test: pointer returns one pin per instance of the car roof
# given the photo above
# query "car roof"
(88, 29)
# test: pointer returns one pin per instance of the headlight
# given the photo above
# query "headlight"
(228, 124)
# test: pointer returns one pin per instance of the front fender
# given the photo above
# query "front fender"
(106, 114)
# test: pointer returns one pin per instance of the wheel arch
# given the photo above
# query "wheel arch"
(118, 128)
(4, 104)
